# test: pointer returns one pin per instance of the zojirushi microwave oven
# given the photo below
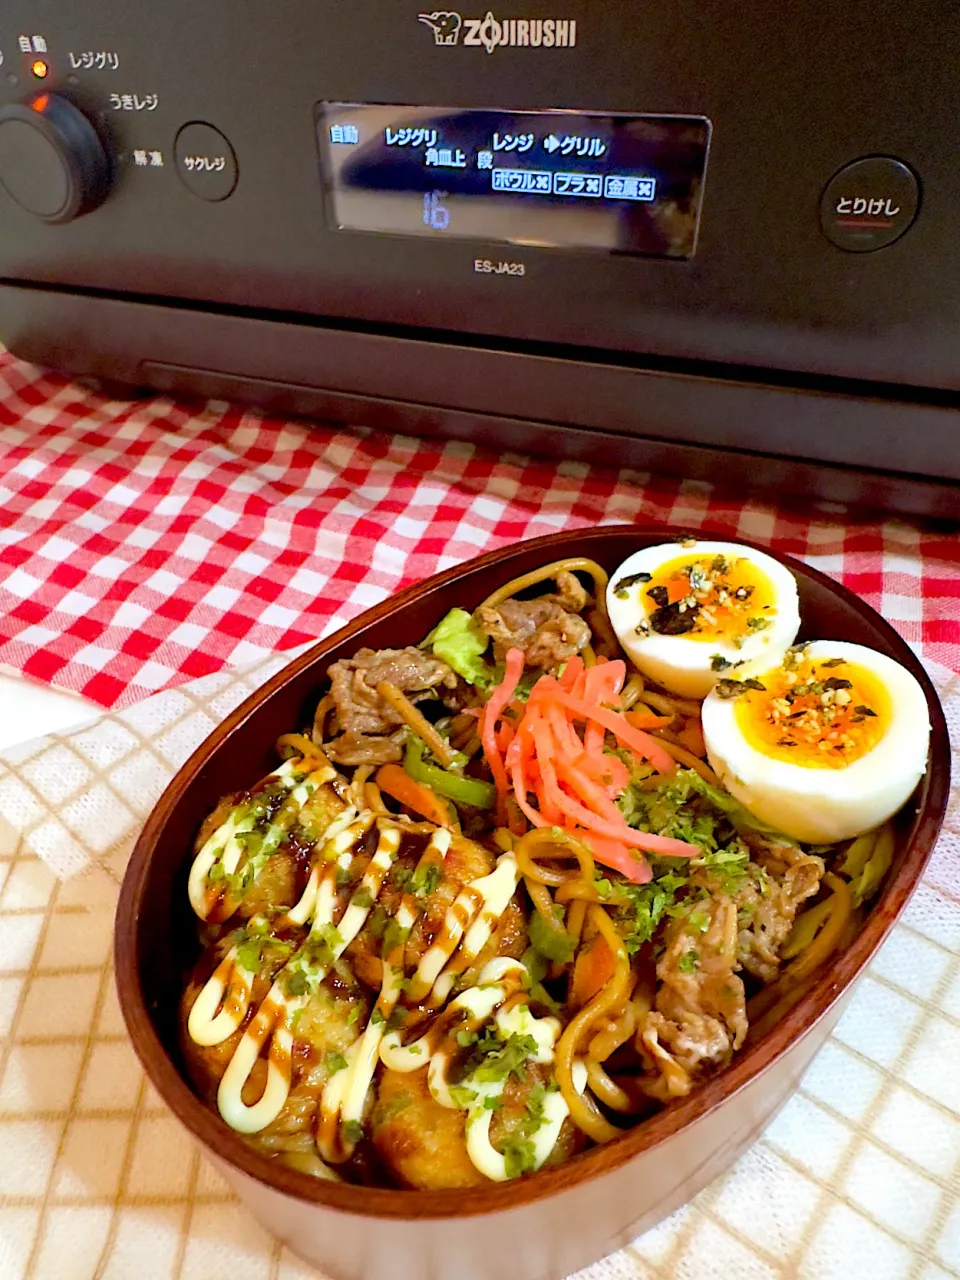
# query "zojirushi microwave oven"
(719, 240)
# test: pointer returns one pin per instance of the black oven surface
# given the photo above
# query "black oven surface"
(166, 185)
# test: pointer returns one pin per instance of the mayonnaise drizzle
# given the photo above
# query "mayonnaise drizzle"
(479, 905)
(274, 1017)
(490, 998)
(345, 1093)
(224, 847)
(222, 1005)
(467, 927)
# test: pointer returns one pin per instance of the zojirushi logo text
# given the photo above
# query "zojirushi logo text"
(488, 32)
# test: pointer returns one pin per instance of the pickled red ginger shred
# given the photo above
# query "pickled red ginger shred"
(554, 750)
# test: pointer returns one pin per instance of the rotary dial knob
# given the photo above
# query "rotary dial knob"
(52, 162)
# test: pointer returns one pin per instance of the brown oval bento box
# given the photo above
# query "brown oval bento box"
(559, 1220)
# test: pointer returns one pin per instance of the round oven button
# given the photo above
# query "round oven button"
(869, 204)
(205, 161)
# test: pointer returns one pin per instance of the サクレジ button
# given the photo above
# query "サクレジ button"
(205, 161)
(869, 204)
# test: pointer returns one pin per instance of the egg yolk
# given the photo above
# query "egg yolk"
(818, 714)
(710, 598)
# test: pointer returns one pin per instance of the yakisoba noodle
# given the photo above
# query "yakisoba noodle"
(494, 906)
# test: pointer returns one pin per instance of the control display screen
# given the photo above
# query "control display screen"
(616, 183)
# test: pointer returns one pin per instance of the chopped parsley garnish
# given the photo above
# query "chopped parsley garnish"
(343, 877)
(297, 983)
(463, 1097)
(508, 1058)
(536, 966)
(519, 1156)
(377, 922)
(689, 962)
(249, 954)
(648, 904)
(698, 920)
(394, 1106)
(425, 879)
(729, 864)
(335, 1062)
(759, 624)
(398, 1017)
(353, 1131)
(401, 876)
(394, 935)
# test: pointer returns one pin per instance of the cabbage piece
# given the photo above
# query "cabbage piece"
(460, 643)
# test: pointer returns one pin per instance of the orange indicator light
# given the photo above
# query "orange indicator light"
(40, 69)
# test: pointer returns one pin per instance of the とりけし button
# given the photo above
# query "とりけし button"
(205, 161)
(869, 204)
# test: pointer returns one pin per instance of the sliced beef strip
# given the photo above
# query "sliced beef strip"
(699, 1018)
(571, 594)
(353, 686)
(354, 749)
(543, 629)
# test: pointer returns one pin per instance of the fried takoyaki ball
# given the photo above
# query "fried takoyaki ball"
(330, 1022)
(206, 1063)
(423, 1144)
(332, 1018)
(465, 861)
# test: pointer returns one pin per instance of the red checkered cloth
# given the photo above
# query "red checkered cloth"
(146, 543)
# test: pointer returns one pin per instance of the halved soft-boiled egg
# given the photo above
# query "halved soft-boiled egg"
(825, 746)
(688, 614)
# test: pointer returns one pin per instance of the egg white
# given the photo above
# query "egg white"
(818, 805)
(682, 664)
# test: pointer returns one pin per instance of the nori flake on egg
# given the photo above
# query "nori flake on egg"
(673, 619)
(728, 688)
(836, 682)
(733, 688)
(660, 596)
(631, 580)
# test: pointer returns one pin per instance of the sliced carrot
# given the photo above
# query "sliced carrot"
(595, 966)
(396, 782)
(513, 669)
(692, 738)
(644, 718)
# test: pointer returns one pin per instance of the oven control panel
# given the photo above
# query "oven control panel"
(655, 182)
